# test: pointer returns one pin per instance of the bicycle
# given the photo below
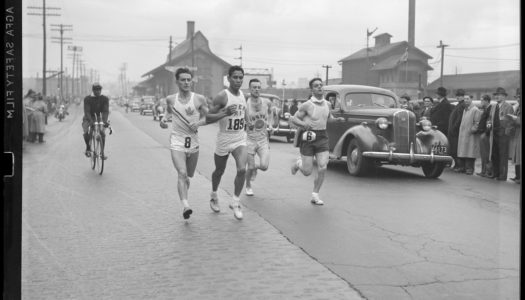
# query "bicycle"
(96, 131)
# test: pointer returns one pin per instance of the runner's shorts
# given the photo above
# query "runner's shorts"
(227, 142)
(184, 143)
(257, 146)
(319, 145)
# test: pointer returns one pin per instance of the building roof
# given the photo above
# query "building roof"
(378, 51)
(183, 49)
(487, 80)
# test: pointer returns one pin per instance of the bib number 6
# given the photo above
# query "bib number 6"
(309, 136)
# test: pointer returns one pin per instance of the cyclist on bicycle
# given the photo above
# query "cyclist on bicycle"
(95, 104)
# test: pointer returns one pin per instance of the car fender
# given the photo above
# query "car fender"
(427, 139)
(367, 140)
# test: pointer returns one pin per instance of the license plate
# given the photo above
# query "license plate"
(439, 149)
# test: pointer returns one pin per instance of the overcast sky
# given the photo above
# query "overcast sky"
(295, 38)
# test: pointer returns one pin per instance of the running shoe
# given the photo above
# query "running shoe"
(249, 191)
(186, 213)
(87, 153)
(295, 166)
(237, 212)
(316, 200)
(214, 205)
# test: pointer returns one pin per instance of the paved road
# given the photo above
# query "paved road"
(393, 235)
(121, 235)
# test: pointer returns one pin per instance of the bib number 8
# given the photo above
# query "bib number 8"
(236, 124)
(187, 142)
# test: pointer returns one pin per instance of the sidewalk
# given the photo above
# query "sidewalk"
(122, 236)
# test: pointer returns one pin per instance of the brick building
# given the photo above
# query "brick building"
(194, 52)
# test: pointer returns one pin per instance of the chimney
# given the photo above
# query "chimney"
(191, 29)
(382, 39)
(411, 23)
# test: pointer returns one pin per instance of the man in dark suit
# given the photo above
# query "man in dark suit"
(484, 140)
(500, 134)
(454, 123)
(440, 113)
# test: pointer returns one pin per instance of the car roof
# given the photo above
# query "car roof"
(270, 96)
(359, 88)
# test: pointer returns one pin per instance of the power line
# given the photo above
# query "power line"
(484, 58)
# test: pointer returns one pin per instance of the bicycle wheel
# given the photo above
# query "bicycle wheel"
(100, 152)
(93, 158)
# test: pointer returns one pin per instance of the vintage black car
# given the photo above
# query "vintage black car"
(378, 132)
(280, 125)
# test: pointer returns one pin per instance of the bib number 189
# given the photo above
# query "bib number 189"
(235, 124)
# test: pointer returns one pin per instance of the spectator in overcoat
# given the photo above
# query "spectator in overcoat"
(440, 113)
(468, 138)
(28, 99)
(38, 125)
(294, 107)
(484, 138)
(515, 151)
(453, 130)
(501, 132)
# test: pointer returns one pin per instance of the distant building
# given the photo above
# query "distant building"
(398, 67)
(265, 76)
(478, 84)
(194, 52)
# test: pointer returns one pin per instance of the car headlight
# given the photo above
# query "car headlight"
(382, 123)
(426, 125)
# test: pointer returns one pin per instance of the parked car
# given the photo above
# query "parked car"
(280, 124)
(377, 131)
(147, 104)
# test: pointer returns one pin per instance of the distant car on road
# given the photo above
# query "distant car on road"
(147, 105)
(135, 105)
(377, 131)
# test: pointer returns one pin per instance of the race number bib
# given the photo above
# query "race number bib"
(235, 124)
(309, 136)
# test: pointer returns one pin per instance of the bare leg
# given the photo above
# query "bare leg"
(241, 155)
(220, 166)
(179, 161)
(322, 162)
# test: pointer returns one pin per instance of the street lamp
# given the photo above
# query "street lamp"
(283, 84)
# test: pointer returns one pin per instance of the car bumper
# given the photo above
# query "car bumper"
(408, 157)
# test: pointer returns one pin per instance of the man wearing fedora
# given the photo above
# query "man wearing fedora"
(454, 123)
(440, 113)
(501, 130)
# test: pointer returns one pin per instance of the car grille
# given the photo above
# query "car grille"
(404, 125)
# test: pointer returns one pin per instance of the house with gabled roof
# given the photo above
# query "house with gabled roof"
(399, 67)
(195, 53)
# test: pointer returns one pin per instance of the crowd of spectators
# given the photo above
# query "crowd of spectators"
(490, 131)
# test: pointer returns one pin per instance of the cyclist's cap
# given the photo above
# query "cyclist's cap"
(96, 86)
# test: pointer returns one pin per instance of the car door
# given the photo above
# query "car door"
(335, 129)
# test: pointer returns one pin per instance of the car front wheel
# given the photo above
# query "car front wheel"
(433, 170)
(356, 163)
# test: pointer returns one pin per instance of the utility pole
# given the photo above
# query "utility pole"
(240, 57)
(284, 85)
(442, 46)
(61, 28)
(43, 13)
(368, 34)
(326, 67)
(76, 54)
(170, 82)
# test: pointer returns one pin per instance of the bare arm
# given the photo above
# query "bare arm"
(217, 110)
(302, 112)
(202, 107)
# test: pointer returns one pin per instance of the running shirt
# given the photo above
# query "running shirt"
(231, 128)
(234, 124)
(181, 133)
(257, 116)
(319, 115)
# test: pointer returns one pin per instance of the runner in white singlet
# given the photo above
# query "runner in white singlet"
(229, 107)
(313, 116)
(258, 116)
(188, 111)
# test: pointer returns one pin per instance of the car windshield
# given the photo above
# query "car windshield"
(355, 100)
